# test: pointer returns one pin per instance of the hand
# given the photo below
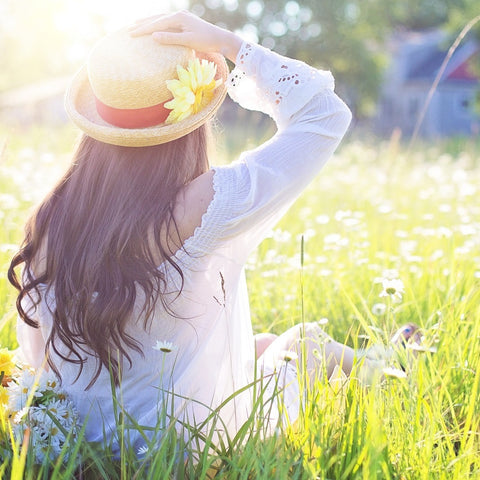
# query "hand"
(184, 28)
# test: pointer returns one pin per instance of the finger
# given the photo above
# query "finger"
(174, 38)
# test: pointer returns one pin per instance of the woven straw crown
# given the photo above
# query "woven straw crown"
(124, 74)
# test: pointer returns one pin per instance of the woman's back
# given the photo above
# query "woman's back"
(196, 345)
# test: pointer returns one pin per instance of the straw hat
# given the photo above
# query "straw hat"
(118, 96)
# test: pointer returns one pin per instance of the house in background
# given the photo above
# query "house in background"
(416, 61)
(40, 102)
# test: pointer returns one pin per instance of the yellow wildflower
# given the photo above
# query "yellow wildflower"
(4, 410)
(193, 90)
(3, 396)
(6, 362)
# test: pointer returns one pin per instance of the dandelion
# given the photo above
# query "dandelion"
(165, 347)
(393, 288)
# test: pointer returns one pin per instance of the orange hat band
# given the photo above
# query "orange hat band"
(133, 117)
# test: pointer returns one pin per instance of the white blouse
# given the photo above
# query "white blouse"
(213, 354)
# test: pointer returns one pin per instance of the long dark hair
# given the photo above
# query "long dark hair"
(101, 232)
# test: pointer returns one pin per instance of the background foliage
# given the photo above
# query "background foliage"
(41, 38)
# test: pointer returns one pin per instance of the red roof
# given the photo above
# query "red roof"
(466, 70)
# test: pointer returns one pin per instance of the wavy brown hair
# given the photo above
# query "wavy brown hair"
(100, 234)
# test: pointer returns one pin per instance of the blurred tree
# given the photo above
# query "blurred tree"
(461, 13)
(416, 14)
(346, 36)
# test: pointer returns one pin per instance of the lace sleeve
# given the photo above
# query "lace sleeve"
(253, 193)
(278, 86)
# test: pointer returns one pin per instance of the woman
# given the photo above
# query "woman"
(133, 265)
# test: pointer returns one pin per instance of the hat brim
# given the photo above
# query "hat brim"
(81, 108)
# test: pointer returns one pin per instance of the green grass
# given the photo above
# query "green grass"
(375, 208)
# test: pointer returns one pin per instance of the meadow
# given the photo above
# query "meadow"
(378, 211)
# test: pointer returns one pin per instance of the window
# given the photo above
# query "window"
(464, 103)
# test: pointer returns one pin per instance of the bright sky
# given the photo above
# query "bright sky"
(32, 28)
(121, 12)
(79, 17)
(117, 12)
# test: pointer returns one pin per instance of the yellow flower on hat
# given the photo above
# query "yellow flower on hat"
(193, 90)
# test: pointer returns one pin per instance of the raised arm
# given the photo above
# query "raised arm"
(244, 200)
(311, 121)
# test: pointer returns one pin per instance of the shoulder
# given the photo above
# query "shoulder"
(192, 203)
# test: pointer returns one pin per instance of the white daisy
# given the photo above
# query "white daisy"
(63, 411)
(288, 355)
(143, 450)
(20, 416)
(51, 381)
(165, 347)
(393, 288)
(29, 384)
(421, 348)
(394, 372)
(379, 309)
(67, 414)
(49, 416)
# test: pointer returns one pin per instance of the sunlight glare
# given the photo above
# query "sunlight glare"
(113, 13)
